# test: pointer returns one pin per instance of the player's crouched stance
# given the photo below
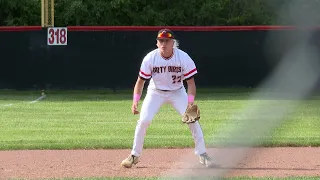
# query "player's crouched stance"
(166, 67)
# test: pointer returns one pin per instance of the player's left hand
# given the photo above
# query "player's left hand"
(190, 104)
(191, 115)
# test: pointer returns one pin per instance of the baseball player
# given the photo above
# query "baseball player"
(166, 67)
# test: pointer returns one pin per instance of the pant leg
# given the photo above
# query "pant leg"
(179, 101)
(149, 109)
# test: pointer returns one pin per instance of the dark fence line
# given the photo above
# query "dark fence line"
(110, 57)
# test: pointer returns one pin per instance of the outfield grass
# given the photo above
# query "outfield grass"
(102, 119)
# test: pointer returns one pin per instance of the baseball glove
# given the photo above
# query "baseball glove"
(191, 115)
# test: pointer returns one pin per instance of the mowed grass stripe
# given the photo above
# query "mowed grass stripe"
(102, 119)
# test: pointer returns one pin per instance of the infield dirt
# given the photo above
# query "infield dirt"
(262, 162)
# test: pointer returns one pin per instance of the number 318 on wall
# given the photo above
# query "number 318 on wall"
(57, 36)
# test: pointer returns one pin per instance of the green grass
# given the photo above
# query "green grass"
(103, 119)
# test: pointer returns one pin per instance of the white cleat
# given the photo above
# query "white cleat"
(130, 161)
(207, 161)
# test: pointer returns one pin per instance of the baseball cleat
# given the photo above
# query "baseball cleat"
(207, 161)
(130, 161)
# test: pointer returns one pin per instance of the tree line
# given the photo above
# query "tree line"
(147, 12)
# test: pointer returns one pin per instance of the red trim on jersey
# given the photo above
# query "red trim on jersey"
(167, 58)
(144, 73)
(193, 70)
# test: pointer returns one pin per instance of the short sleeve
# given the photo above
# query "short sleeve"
(145, 68)
(190, 68)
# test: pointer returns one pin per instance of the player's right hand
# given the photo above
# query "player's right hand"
(134, 108)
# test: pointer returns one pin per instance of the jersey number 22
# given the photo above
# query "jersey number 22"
(176, 79)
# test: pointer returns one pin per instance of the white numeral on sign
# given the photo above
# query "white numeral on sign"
(57, 36)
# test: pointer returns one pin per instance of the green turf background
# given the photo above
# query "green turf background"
(103, 119)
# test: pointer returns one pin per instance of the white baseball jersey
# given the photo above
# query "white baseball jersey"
(167, 73)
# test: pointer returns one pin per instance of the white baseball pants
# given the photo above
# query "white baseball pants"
(153, 101)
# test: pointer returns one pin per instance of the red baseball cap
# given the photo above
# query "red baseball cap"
(165, 34)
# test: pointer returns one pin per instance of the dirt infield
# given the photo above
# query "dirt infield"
(32, 164)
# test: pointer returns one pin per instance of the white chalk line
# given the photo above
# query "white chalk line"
(30, 102)
(39, 99)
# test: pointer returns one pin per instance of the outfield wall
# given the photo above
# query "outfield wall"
(109, 57)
